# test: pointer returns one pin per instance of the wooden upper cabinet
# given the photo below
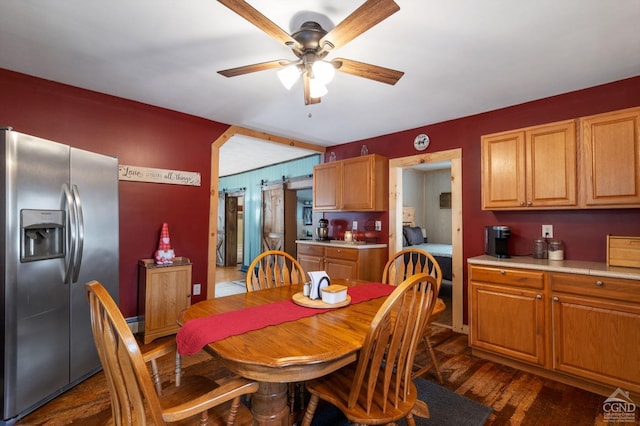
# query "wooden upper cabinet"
(610, 146)
(530, 168)
(355, 184)
(327, 181)
(503, 174)
(364, 183)
(552, 165)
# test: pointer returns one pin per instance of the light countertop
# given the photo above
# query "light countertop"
(569, 266)
(341, 243)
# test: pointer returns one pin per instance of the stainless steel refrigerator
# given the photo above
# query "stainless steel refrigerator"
(60, 232)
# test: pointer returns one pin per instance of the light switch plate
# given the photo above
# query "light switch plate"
(547, 231)
(196, 289)
(378, 225)
(355, 225)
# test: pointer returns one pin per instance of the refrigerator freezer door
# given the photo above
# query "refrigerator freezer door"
(36, 347)
(94, 183)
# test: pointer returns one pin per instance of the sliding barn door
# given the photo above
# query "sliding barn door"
(231, 231)
(279, 226)
(273, 217)
(227, 244)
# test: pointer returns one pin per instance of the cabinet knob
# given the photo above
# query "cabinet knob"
(555, 299)
(599, 283)
(521, 203)
(538, 296)
(502, 271)
(529, 203)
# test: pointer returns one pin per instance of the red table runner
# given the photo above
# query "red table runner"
(197, 333)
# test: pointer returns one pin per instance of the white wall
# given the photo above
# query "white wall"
(421, 190)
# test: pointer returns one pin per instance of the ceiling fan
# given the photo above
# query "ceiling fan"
(311, 44)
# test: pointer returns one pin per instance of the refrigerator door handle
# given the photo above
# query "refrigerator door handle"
(72, 233)
(80, 233)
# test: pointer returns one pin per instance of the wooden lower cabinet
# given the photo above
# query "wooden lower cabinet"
(508, 313)
(523, 311)
(343, 262)
(165, 291)
(582, 330)
(311, 257)
(596, 330)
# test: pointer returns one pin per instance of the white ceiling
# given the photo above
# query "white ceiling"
(460, 57)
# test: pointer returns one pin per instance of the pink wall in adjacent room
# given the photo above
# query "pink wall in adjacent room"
(139, 135)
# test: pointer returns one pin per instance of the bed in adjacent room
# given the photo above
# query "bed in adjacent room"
(413, 236)
(442, 254)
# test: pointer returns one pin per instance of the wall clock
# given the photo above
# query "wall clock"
(421, 142)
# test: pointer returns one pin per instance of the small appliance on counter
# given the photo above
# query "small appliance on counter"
(322, 231)
(496, 240)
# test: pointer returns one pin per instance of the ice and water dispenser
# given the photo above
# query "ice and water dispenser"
(41, 234)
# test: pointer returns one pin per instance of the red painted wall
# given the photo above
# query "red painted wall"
(584, 232)
(139, 135)
(147, 136)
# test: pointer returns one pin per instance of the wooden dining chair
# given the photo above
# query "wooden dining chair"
(404, 264)
(134, 399)
(379, 388)
(274, 268)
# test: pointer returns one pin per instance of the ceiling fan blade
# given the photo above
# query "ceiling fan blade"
(252, 15)
(372, 72)
(262, 66)
(308, 100)
(366, 16)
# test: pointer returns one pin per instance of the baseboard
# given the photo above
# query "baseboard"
(135, 324)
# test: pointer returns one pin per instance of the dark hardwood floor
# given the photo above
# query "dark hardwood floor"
(517, 398)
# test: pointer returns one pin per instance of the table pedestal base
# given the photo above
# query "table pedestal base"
(269, 405)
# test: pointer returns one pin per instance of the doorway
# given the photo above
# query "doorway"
(396, 196)
(230, 243)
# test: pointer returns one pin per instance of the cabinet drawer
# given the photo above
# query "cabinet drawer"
(310, 249)
(515, 277)
(601, 287)
(342, 253)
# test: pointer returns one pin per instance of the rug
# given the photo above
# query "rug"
(446, 408)
(230, 287)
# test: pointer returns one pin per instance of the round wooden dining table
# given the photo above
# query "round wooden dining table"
(289, 352)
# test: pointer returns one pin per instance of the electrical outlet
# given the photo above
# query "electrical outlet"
(547, 231)
(354, 226)
(378, 225)
(196, 289)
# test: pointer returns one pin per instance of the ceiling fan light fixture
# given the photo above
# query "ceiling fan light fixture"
(323, 71)
(288, 76)
(317, 89)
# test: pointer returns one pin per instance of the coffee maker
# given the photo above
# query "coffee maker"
(322, 231)
(496, 240)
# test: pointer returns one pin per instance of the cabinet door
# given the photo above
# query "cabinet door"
(611, 158)
(597, 340)
(311, 262)
(358, 183)
(551, 165)
(341, 268)
(327, 181)
(503, 170)
(167, 294)
(508, 321)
